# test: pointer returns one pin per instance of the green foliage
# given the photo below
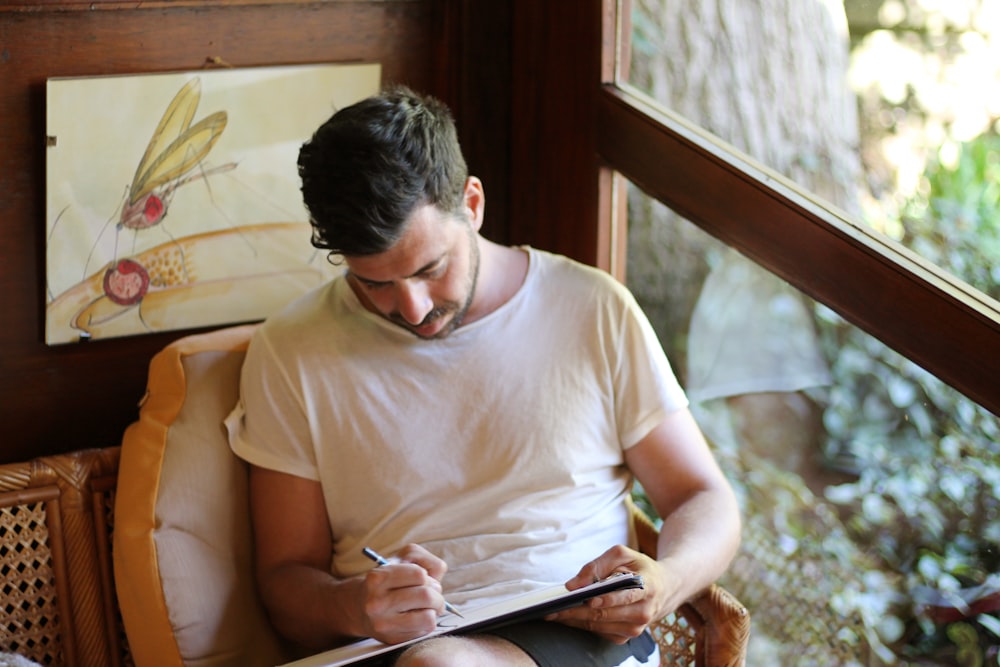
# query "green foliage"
(926, 501)
(956, 221)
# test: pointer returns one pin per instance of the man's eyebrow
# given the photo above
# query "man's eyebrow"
(423, 269)
(367, 281)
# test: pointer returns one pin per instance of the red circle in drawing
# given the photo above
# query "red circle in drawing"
(153, 210)
(126, 282)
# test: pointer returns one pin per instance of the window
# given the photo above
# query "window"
(784, 83)
(849, 459)
(903, 462)
(794, 233)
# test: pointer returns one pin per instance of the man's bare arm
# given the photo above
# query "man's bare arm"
(306, 603)
(698, 539)
(701, 528)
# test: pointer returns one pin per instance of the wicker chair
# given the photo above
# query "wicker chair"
(57, 601)
(182, 544)
(711, 629)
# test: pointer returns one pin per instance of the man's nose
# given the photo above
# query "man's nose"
(413, 301)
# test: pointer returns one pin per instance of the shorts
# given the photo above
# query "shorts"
(556, 645)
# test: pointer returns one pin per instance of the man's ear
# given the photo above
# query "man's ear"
(475, 201)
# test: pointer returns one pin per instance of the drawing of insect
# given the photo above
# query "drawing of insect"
(175, 149)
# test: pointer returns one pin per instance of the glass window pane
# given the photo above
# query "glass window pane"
(886, 108)
(869, 488)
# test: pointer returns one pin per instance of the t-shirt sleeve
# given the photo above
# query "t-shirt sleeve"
(269, 427)
(646, 388)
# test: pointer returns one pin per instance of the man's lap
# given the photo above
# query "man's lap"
(557, 645)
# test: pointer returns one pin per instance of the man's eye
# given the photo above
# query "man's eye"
(435, 271)
(371, 284)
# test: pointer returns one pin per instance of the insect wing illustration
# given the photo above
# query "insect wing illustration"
(237, 249)
(175, 148)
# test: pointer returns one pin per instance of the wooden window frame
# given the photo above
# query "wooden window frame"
(938, 321)
(904, 300)
(574, 130)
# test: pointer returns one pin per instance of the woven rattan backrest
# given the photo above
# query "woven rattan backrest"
(57, 602)
(710, 630)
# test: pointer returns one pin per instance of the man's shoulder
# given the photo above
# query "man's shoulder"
(551, 262)
(569, 275)
(303, 313)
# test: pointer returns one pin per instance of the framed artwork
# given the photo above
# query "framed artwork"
(172, 200)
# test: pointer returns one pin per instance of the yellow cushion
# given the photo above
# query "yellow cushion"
(182, 541)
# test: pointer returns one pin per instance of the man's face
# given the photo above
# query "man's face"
(426, 282)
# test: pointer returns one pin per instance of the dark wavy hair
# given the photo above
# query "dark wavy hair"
(369, 166)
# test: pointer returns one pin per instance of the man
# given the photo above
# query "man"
(471, 409)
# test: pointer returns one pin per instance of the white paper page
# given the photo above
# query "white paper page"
(365, 648)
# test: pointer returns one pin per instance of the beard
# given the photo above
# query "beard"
(456, 309)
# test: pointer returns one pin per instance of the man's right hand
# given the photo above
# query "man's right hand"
(402, 600)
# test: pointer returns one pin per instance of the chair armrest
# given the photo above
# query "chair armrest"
(712, 629)
(727, 627)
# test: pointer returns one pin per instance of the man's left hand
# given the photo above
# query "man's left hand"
(624, 614)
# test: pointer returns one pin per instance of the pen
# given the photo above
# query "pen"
(380, 561)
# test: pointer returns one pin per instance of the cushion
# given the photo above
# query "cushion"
(182, 540)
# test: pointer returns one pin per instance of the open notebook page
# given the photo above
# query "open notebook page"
(533, 604)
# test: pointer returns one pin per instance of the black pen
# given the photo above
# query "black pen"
(380, 561)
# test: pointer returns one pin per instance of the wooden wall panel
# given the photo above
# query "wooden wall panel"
(57, 399)
(479, 81)
(556, 66)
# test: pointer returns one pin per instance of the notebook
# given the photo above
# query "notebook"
(527, 606)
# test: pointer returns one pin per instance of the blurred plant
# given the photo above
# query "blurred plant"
(954, 221)
(927, 498)
(926, 501)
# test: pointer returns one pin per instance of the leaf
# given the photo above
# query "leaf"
(842, 494)
(877, 510)
(929, 567)
(902, 392)
(954, 487)
(964, 636)
(991, 623)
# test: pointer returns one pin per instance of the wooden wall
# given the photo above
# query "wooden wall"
(56, 399)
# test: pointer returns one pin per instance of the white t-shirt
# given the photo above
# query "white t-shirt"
(498, 448)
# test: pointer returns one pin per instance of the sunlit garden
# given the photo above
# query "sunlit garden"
(873, 539)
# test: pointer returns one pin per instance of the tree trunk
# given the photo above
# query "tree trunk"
(768, 77)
